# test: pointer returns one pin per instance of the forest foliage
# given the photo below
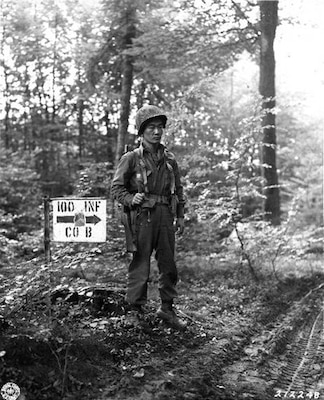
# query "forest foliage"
(61, 70)
(65, 73)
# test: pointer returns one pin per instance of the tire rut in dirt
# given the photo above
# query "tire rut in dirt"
(303, 368)
(286, 358)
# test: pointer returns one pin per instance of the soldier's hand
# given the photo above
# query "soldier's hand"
(180, 225)
(138, 199)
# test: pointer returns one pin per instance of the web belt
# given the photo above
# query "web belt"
(158, 198)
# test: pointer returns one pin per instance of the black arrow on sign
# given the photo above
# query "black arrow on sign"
(93, 220)
(70, 219)
(66, 219)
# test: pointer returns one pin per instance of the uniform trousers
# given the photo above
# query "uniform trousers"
(155, 231)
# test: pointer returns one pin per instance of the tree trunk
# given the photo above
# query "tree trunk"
(6, 92)
(110, 137)
(268, 24)
(126, 81)
(80, 108)
(54, 70)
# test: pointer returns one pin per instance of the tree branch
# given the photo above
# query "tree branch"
(242, 13)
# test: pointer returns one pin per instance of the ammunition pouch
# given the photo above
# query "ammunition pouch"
(152, 199)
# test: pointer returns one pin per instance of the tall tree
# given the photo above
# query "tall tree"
(113, 62)
(182, 43)
(129, 32)
(7, 72)
(268, 25)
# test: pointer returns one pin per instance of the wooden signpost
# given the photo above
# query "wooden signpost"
(74, 220)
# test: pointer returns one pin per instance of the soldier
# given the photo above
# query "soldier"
(147, 184)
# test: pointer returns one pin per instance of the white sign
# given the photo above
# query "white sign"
(79, 220)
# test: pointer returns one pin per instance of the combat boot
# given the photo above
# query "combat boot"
(167, 314)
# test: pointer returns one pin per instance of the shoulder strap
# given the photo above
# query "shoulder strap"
(169, 156)
(171, 170)
(139, 161)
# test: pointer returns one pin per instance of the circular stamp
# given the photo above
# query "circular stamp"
(10, 391)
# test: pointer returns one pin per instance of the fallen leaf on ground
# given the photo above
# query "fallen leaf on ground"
(139, 374)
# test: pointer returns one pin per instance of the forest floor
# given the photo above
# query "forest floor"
(63, 332)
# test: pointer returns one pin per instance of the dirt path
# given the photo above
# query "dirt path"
(286, 360)
(244, 340)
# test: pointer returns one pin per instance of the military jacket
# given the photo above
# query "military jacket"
(128, 178)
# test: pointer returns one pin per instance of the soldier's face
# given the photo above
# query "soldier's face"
(153, 131)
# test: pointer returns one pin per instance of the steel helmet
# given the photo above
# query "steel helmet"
(145, 114)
